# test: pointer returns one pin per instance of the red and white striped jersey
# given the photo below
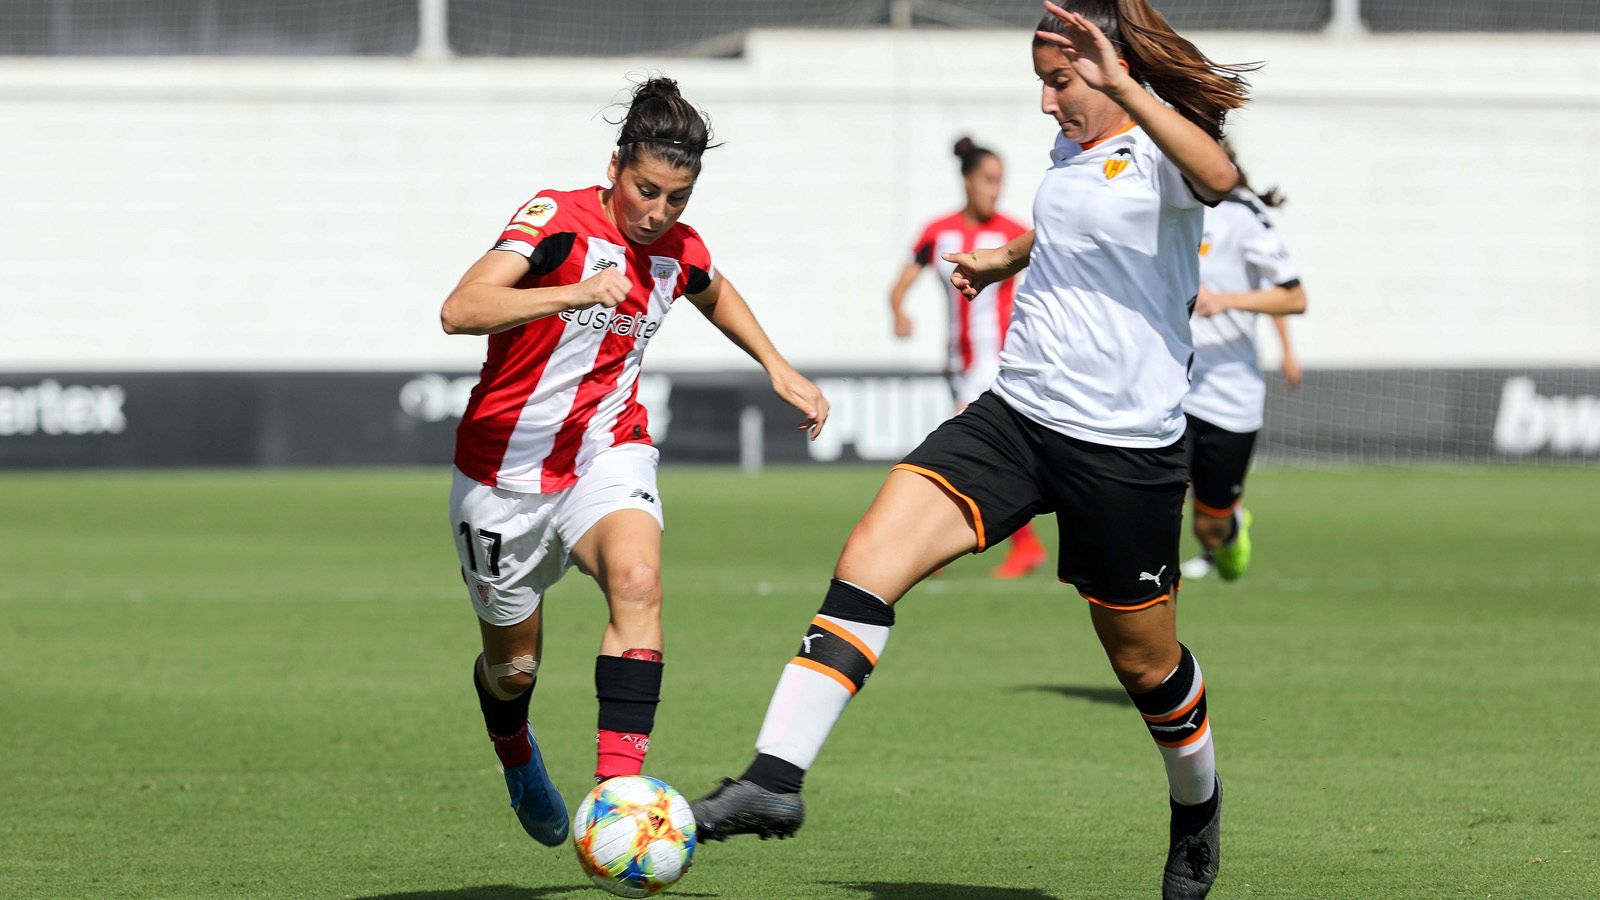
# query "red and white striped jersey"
(978, 326)
(556, 391)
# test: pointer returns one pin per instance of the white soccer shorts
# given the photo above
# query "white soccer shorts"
(969, 385)
(514, 546)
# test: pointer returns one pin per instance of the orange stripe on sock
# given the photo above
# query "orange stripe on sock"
(1215, 512)
(1205, 727)
(829, 671)
(977, 517)
(838, 631)
(1189, 707)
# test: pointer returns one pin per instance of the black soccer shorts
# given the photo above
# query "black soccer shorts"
(1119, 509)
(1218, 461)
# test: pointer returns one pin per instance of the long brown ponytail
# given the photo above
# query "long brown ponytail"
(1175, 69)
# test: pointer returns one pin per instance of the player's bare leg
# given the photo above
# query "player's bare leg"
(1164, 681)
(913, 527)
(504, 676)
(1224, 537)
(623, 553)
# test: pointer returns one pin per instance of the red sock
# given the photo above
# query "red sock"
(515, 750)
(618, 754)
(628, 687)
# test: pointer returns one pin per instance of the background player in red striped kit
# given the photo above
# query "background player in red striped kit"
(554, 463)
(977, 326)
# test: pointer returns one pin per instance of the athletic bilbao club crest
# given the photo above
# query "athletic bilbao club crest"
(1118, 163)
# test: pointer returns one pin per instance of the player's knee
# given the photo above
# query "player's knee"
(515, 684)
(508, 680)
(865, 546)
(1140, 669)
(636, 585)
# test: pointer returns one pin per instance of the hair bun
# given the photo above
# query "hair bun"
(964, 147)
(658, 86)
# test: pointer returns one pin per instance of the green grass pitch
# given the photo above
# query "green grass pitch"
(231, 685)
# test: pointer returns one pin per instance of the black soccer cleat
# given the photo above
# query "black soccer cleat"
(1192, 859)
(743, 807)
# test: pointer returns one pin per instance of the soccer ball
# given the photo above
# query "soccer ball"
(634, 835)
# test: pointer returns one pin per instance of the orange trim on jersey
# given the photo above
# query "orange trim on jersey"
(1123, 130)
(838, 631)
(829, 671)
(1145, 605)
(1201, 732)
(977, 517)
(1188, 708)
(1215, 512)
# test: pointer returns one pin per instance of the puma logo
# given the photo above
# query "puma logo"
(1146, 576)
(1185, 726)
(806, 641)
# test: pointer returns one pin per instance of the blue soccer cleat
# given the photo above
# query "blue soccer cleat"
(538, 804)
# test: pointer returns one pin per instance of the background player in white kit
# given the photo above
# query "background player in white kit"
(553, 457)
(977, 326)
(1245, 272)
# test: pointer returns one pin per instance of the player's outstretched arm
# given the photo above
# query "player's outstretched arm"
(486, 300)
(1293, 375)
(977, 269)
(897, 299)
(725, 308)
(1273, 301)
(1201, 159)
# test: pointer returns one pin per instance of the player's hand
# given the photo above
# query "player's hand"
(1208, 303)
(1293, 375)
(798, 391)
(1089, 51)
(605, 288)
(902, 325)
(978, 269)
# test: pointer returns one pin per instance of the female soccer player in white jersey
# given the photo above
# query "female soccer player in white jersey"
(977, 326)
(1245, 272)
(1084, 420)
(553, 458)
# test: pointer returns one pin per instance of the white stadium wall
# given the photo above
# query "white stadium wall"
(173, 214)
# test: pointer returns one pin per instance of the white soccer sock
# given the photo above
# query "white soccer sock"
(1176, 715)
(836, 658)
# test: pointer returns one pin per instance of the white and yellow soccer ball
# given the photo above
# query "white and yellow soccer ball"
(634, 835)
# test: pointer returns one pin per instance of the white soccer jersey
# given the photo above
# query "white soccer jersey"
(1099, 343)
(1240, 252)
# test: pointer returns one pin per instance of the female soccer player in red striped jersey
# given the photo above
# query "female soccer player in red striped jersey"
(554, 463)
(1084, 420)
(977, 326)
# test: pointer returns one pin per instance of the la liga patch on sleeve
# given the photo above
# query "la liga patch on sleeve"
(540, 211)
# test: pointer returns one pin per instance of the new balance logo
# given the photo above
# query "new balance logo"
(600, 265)
(642, 494)
(1146, 576)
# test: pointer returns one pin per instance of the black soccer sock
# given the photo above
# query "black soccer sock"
(776, 775)
(629, 689)
(503, 718)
